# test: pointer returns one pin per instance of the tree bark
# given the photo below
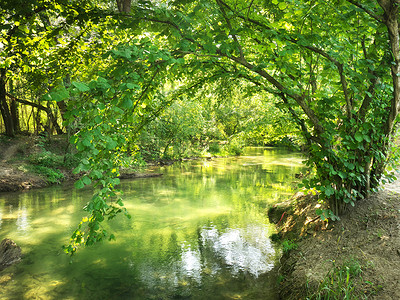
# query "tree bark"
(4, 109)
(124, 6)
(390, 17)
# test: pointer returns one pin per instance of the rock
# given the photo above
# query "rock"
(10, 253)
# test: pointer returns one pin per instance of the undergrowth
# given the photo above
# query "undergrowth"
(342, 282)
(46, 163)
(288, 245)
(52, 175)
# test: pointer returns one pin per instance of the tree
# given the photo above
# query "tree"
(334, 65)
(42, 43)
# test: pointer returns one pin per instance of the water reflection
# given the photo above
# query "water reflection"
(243, 250)
(23, 225)
(198, 232)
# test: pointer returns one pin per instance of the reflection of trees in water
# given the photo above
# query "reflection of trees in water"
(222, 252)
(248, 250)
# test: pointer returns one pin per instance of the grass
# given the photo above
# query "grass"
(52, 175)
(288, 245)
(46, 162)
(341, 283)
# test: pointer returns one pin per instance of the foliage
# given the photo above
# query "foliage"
(332, 68)
(42, 43)
(114, 111)
(181, 131)
(45, 162)
(46, 159)
(195, 123)
(52, 175)
(288, 245)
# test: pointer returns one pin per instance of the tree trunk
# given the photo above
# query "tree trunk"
(14, 112)
(124, 6)
(391, 20)
(4, 109)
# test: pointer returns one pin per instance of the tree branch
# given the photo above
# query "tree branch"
(299, 121)
(255, 22)
(339, 65)
(26, 102)
(298, 98)
(231, 29)
(368, 11)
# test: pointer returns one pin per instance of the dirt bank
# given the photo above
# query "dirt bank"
(28, 162)
(14, 174)
(365, 244)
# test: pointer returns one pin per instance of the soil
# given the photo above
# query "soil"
(13, 173)
(368, 234)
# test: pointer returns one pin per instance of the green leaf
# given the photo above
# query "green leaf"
(86, 142)
(111, 144)
(82, 87)
(359, 137)
(282, 5)
(86, 180)
(329, 191)
(79, 184)
(127, 103)
(133, 86)
(321, 214)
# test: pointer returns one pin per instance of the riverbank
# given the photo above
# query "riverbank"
(357, 256)
(19, 164)
(29, 162)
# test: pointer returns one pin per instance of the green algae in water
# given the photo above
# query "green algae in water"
(198, 232)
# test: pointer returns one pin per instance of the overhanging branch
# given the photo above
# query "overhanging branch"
(368, 11)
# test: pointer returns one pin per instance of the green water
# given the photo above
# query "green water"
(198, 232)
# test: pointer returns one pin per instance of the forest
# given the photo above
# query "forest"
(135, 80)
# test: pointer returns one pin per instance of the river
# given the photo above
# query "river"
(198, 232)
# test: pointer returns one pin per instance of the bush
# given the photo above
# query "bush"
(46, 159)
(235, 147)
(214, 148)
(51, 175)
